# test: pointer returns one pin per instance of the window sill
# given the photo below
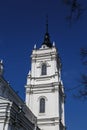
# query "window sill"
(42, 114)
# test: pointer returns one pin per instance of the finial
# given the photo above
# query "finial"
(29, 74)
(53, 44)
(35, 46)
(1, 61)
(47, 24)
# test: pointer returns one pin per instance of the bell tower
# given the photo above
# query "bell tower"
(44, 87)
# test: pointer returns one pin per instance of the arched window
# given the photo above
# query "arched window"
(42, 105)
(44, 69)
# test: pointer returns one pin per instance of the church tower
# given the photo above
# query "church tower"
(44, 88)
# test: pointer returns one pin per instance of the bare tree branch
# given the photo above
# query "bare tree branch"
(76, 9)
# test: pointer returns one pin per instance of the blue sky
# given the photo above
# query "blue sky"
(22, 24)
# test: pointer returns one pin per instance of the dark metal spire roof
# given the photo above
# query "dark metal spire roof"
(47, 37)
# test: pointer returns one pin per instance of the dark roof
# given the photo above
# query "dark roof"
(47, 40)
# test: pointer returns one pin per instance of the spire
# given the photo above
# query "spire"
(47, 37)
(47, 24)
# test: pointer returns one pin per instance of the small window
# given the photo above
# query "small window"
(44, 46)
(42, 105)
(44, 69)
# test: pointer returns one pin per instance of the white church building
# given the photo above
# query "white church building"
(44, 100)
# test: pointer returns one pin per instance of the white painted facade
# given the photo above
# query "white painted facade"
(48, 86)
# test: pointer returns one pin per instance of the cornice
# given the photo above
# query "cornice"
(48, 121)
(45, 85)
(45, 76)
